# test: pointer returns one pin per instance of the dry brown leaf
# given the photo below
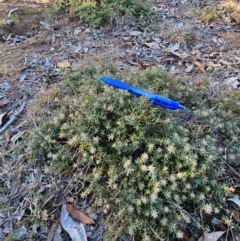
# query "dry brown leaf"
(200, 66)
(53, 230)
(65, 200)
(78, 214)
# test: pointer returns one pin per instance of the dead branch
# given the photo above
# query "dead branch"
(13, 117)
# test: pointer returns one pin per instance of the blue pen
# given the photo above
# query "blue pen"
(155, 99)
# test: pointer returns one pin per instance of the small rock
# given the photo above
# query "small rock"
(52, 50)
(87, 30)
(77, 31)
(125, 38)
(10, 22)
(58, 70)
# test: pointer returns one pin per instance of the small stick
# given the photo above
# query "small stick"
(13, 117)
(11, 11)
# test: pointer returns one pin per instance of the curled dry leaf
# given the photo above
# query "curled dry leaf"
(211, 236)
(75, 229)
(78, 214)
(198, 65)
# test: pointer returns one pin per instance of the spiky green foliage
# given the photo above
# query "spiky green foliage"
(99, 12)
(151, 168)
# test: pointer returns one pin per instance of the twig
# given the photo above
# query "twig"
(11, 11)
(13, 117)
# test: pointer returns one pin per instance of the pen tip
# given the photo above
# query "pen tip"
(182, 107)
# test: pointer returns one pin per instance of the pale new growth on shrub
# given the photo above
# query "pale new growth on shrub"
(150, 168)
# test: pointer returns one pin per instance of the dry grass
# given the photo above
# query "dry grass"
(172, 32)
(210, 13)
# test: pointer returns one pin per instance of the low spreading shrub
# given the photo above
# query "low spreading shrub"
(99, 12)
(156, 172)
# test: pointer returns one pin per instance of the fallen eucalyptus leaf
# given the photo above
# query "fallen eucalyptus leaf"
(182, 55)
(173, 47)
(78, 48)
(75, 230)
(135, 33)
(21, 234)
(200, 66)
(78, 214)
(16, 137)
(232, 81)
(188, 69)
(152, 45)
(235, 202)
(211, 236)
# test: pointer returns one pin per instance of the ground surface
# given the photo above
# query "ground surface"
(37, 49)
